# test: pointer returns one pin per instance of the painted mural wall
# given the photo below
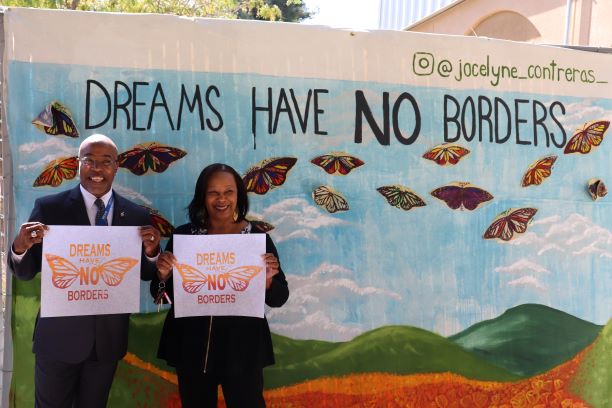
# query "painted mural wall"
(438, 202)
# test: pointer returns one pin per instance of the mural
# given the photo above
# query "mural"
(438, 203)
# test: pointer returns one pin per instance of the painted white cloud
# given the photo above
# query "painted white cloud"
(131, 194)
(316, 322)
(54, 144)
(320, 303)
(575, 235)
(296, 218)
(579, 113)
(522, 266)
(40, 164)
(58, 146)
(527, 282)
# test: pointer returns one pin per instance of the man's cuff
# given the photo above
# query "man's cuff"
(17, 258)
(153, 259)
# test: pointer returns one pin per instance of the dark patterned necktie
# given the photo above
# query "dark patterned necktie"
(100, 220)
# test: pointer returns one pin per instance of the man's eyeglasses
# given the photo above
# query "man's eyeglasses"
(100, 164)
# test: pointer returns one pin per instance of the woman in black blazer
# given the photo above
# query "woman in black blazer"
(230, 351)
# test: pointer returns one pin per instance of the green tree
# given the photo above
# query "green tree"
(283, 10)
(273, 10)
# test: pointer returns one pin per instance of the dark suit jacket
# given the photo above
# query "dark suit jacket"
(70, 339)
(237, 344)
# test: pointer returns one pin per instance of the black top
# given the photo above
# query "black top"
(237, 343)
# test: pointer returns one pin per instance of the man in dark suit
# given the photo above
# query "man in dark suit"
(76, 356)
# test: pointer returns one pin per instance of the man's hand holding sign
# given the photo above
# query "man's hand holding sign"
(90, 278)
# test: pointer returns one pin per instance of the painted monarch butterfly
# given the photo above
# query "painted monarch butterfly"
(261, 224)
(597, 189)
(337, 163)
(64, 273)
(446, 154)
(160, 222)
(55, 120)
(538, 171)
(460, 195)
(268, 174)
(509, 222)
(401, 197)
(330, 199)
(238, 278)
(151, 155)
(63, 168)
(591, 135)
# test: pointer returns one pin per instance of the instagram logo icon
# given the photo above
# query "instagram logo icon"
(423, 63)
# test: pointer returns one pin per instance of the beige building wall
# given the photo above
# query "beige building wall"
(565, 22)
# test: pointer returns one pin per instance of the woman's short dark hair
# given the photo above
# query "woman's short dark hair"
(197, 208)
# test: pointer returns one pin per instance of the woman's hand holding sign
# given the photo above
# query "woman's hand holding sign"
(272, 266)
(164, 264)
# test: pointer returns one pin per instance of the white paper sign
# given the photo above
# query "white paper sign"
(219, 275)
(90, 270)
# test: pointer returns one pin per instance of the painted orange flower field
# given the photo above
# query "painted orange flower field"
(431, 390)
(443, 390)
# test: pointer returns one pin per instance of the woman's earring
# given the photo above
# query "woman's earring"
(235, 215)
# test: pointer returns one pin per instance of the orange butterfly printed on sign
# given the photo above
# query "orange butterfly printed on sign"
(152, 156)
(509, 222)
(268, 174)
(591, 135)
(337, 163)
(446, 154)
(64, 168)
(538, 171)
(238, 278)
(64, 273)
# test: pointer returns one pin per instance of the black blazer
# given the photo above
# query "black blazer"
(237, 344)
(71, 339)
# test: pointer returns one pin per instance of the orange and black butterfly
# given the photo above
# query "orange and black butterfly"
(511, 221)
(152, 155)
(64, 168)
(330, 199)
(462, 195)
(56, 120)
(160, 222)
(268, 174)
(337, 163)
(597, 189)
(261, 224)
(538, 171)
(238, 278)
(591, 135)
(446, 154)
(64, 272)
(401, 197)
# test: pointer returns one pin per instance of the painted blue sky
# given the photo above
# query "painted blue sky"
(373, 265)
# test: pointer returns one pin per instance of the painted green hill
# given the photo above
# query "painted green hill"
(593, 380)
(392, 349)
(145, 331)
(528, 339)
